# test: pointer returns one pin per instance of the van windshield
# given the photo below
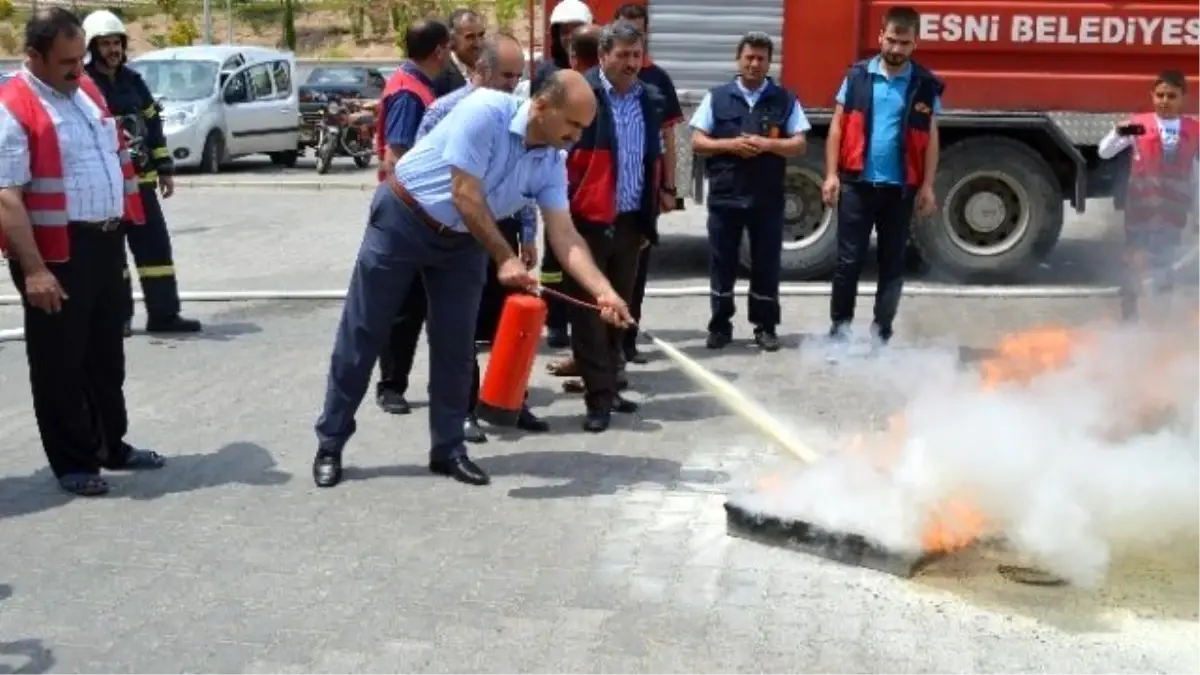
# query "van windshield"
(178, 80)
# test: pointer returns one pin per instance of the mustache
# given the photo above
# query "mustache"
(71, 76)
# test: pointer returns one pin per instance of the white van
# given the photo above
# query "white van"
(225, 101)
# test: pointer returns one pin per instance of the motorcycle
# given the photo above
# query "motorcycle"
(346, 129)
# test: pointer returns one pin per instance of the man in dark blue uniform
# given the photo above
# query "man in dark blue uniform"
(131, 103)
(747, 129)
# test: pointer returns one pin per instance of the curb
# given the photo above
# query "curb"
(276, 185)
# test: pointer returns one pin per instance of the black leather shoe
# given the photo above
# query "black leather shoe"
(527, 421)
(632, 355)
(718, 340)
(461, 469)
(392, 402)
(766, 340)
(597, 421)
(327, 469)
(471, 431)
(174, 324)
(624, 405)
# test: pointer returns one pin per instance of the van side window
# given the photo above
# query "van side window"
(281, 73)
(260, 82)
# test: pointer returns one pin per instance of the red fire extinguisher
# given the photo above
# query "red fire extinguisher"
(510, 364)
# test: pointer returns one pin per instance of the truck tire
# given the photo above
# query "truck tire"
(809, 227)
(1000, 208)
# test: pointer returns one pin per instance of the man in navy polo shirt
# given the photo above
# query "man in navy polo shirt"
(880, 156)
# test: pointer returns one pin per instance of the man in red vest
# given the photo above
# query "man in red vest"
(408, 94)
(1160, 196)
(63, 207)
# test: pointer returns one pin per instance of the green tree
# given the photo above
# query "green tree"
(6, 10)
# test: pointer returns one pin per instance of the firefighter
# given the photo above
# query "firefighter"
(566, 17)
(747, 129)
(131, 103)
(1161, 192)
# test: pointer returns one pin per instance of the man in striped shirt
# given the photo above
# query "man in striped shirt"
(500, 64)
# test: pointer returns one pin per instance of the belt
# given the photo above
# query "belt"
(106, 225)
(427, 220)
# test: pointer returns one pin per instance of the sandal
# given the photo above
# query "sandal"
(83, 484)
(563, 368)
(140, 460)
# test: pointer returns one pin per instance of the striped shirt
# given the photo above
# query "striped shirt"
(436, 112)
(92, 178)
(631, 144)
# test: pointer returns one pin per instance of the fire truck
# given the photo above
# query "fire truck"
(1031, 88)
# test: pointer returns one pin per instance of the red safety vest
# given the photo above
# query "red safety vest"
(1160, 190)
(401, 80)
(45, 195)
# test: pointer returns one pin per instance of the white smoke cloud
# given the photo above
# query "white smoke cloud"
(1064, 469)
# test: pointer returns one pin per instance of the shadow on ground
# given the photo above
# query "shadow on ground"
(245, 463)
(27, 655)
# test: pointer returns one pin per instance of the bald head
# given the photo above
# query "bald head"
(562, 109)
(501, 62)
(584, 46)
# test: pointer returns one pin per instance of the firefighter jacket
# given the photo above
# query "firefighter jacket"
(140, 118)
(592, 162)
(45, 196)
(924, 88)
(1161, 184)
(745, 182)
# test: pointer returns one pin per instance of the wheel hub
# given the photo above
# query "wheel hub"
(985, 212)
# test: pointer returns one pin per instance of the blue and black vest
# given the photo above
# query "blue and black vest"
(745, 182)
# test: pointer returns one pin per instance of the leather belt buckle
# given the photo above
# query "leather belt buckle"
(404, 196)
(110, 225)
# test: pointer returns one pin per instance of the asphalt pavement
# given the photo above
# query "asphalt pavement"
(588, 553)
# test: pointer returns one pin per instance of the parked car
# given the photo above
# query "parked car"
(221, 102)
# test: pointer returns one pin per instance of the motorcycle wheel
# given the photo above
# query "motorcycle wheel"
(362, 161)
(324, 159)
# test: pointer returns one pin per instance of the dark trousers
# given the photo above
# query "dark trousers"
(398, 247)
(552, 277)
(888, 209)
(77, 357)
(763, 226)
(1147, 260)
(150, 244)
(639, 295)
(491, 305)
(595, 345)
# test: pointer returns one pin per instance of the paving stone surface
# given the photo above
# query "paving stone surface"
(588, 553)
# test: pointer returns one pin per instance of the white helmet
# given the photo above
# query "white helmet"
(570, 11)
(100, 23)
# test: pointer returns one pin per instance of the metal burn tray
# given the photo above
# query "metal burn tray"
(845, 548)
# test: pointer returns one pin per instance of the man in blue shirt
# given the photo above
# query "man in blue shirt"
(881, 155)
(435, 217)
(408, 93)
(747, 129)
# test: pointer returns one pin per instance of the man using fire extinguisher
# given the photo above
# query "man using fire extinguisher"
(747, 129)
(130, 101)
(435, 217)
(1160, 196)
(408, 93)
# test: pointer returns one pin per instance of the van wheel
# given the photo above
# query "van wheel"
(286, 159)
(214, 153)
(1000, 208)
(809, 227)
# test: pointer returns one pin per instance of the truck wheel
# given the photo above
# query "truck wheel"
(809, 227)
(999, 205)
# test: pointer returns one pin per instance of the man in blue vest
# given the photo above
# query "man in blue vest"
(747, 129)
(881, 154)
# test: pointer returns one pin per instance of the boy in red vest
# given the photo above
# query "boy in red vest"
(1160, 196)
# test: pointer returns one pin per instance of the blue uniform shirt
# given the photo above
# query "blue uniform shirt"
(882, 163)
(631, 143)
(404, 111)
(436, 113)
(702, 119)
(484, 136)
